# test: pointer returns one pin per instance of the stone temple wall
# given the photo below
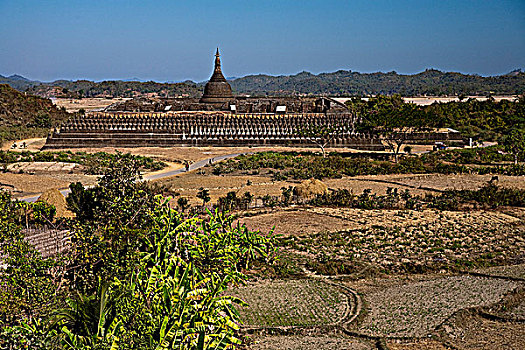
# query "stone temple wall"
(120, 129)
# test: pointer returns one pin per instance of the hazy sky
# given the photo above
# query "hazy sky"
(175, 40)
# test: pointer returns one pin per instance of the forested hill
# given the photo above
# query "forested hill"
(341, 83)
(113, 88)
(430, 82)
(24, 115)
(19, 109)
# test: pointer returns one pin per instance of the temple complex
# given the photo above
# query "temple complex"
(218, 118)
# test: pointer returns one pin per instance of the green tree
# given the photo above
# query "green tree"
(182, 202)
(111, 218)
(204, 195)
(514, 143)
(247, 199)
(26, 283)
(395, 121)
(320, 135)
(42, 120)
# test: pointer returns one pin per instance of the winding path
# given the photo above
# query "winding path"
(158, 175)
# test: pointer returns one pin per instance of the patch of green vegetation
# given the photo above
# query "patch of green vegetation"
(478, 155)
(306, 165)
(96, 163)
(137, 275)
(25, 116)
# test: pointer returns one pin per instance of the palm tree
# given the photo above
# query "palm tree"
(89, 319)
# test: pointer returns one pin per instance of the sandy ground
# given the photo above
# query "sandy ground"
(196, 153)
(23, 185)
(88, 104)
(34, 144)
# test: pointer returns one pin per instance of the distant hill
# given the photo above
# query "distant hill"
(24, 115)
(115, 88)
(18, 82)
(341, 83)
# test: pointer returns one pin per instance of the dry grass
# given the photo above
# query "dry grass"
(513, 271)
(34, 144)
(188, 184)
(25, 184)
(57, 199)
(291, 222)
(379, 183)
(401, 241)
(179, 154)
(313, 220)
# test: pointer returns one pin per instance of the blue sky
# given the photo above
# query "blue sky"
(175, 40)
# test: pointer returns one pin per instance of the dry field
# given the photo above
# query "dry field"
(193, 154)
(88, 104)
(416, 344)
(23, 185)
(416, 309)
(384, 243)
(455, 240)
(419, 184)
(314, 220)
(308, 342)
(511, 271)
(34, 144)
(282, 303)
(188, 184)
(470, 331)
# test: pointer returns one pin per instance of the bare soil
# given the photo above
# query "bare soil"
(512, 271)
(34, 144)
(293, 342)
(475, 332)
(21, 185)
(311, 220)
(416, 344)
(416, 309)
(302, 302)
(421, 183)
(88, 104)
(296, 222)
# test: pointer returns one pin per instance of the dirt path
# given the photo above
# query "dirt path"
(172, 170)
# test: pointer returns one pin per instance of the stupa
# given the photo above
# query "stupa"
(217, 90)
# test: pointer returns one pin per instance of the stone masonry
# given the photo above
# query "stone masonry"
(99, 129)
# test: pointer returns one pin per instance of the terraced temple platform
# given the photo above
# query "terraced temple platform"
(99, 129)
